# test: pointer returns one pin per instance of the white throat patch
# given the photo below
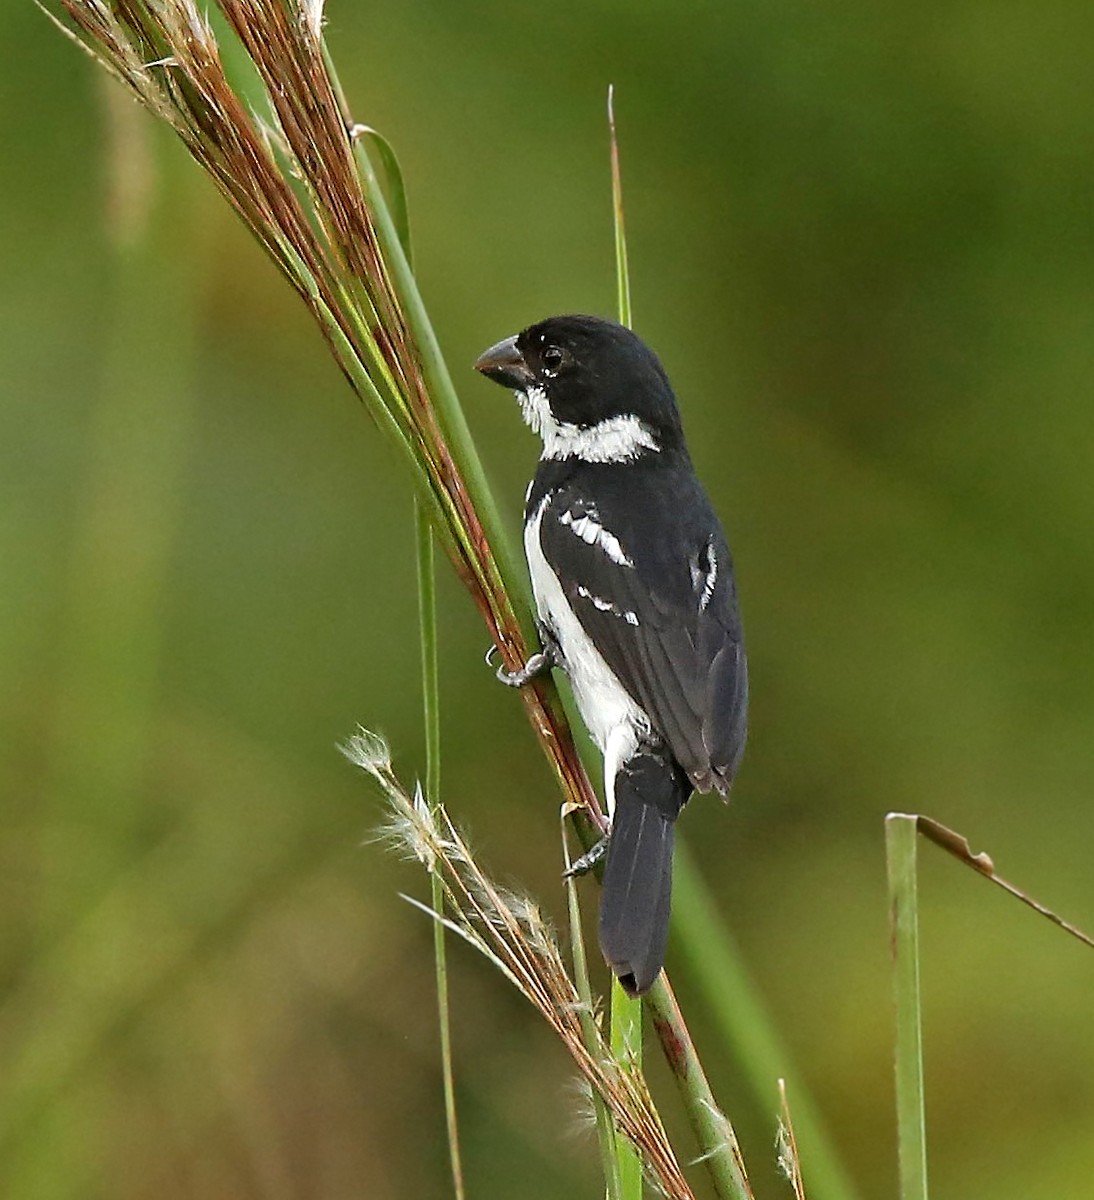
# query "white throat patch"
(614, 440)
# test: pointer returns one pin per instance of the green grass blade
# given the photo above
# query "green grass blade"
(395, 193)
(622, 275)
(900, 850)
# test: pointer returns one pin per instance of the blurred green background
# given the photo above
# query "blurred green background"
(861, 240)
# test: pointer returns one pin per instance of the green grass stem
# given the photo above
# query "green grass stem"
(607, 1137)
(431, 706)
(626, 1043)
(626, 1013)
(719, 1151)
(622, 274)
(427, 618)
(901, 842)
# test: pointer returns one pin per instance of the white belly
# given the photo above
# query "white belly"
(612, 718)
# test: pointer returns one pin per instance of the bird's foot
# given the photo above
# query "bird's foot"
(584, 864)
(538, 664)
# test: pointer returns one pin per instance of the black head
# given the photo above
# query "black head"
(577, 374)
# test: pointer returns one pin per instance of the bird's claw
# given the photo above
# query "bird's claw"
(584, 864)
(538, 664)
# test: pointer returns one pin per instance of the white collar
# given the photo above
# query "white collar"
(613, 440)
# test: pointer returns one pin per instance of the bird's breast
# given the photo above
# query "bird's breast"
(604, 704)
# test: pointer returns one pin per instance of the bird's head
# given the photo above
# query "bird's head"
(590, 388)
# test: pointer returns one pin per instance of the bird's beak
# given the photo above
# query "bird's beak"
(505, 364)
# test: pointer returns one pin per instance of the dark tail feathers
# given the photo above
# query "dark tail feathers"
(650, 790)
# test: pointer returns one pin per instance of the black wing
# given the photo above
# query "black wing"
(648, 573)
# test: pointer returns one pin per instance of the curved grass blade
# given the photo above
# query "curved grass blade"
(395, 192)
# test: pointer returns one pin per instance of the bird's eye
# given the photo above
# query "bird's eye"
(553, 358)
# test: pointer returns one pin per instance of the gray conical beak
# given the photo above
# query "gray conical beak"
(505, 364)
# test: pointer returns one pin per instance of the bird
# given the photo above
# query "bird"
(636, 602)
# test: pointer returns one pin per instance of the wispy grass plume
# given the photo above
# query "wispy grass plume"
(509, 930)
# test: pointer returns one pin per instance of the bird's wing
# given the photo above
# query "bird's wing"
(649, 576)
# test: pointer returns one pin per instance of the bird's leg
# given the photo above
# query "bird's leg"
(538, 664)
(584, 864)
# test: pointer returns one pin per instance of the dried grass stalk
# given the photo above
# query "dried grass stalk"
(510, 931)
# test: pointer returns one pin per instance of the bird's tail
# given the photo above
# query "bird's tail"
(650, 790)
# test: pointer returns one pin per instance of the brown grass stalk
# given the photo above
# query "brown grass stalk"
(511, 932)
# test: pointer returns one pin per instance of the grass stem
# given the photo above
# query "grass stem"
(626, 1042)
(622, 274)
(607, 1137)
(901, 841)
(626, 1013)
(427, 618)
(719, 1150)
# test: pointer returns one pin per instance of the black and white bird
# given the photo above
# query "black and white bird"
(636, 602)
